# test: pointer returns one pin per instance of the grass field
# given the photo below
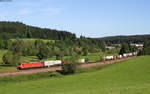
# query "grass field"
(127, 77)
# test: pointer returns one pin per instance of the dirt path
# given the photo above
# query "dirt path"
(33, 71)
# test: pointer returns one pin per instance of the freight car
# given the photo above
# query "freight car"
(84, 60)
(125, 55)
(119, 56)
(105, 58)
(52, 63)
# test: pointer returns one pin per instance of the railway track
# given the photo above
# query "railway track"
(33, 71)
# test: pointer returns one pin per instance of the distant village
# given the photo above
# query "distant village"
(139, 46)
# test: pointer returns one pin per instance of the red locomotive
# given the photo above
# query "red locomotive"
(30, 65)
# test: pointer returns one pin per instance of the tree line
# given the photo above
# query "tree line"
(11, 30)
(125, 39)
(46, 49)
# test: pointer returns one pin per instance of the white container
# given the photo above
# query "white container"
(57, 62)
(119, 56)
(81, 60)
(124, 55)
(48, 63)
(130, 54)
(108, 57)
(135, 53)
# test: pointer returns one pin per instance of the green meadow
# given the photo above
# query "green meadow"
(126, 77)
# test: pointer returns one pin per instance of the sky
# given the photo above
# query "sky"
(90, 18)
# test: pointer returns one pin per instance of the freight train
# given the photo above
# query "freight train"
(43, 64)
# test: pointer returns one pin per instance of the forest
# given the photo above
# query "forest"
(127, 39)
(9, 30)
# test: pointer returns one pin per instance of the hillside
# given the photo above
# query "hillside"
(9, 30)
(128, 39)
(127, 77)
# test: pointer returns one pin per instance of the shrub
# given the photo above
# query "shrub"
(69, 68)
(146, 49)
(55, 74)
(10, 58)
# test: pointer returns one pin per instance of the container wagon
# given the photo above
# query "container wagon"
(52, 63)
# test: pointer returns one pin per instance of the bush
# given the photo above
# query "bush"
(146, 49)
(10, 58)
(55, 74)
(69, 68)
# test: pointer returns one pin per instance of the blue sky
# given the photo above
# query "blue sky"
(90, 18)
